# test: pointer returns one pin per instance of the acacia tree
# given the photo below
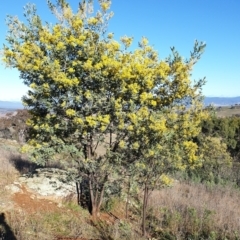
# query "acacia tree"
(162, 122)
(88, 92)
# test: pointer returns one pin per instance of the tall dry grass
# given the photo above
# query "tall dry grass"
(196, 211)
(8, 173)
(59, 224)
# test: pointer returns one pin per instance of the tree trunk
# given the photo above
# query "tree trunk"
(92, 199)
(100, 200)
(96, 199)
(96, 187)
(127, 201)
(94, 207)
(144, 210)
(94, 212)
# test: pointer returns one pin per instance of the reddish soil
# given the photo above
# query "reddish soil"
(31, 203)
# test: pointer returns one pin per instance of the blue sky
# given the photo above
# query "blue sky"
(165, 23)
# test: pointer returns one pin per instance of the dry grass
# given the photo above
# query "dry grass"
(227, 111)
(197, 210)
(8, 173)
(63, 222)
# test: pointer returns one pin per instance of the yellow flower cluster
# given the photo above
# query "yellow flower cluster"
(8, 53)
(29, 122)
(113, 46)
(70, 112)
(121, 144)
(121, 124)
(163, 69)
(71, 70)
(45, 86)
(144, 97)
(118, 105)
(32, 143)
(78, 120)
(26, 148)
(127, 41)
(191, 149)
(91, 121)
(158, 125)
(153, 103)
(57, 30)
(150, 153)
(144, 41)
(63, 79)
(33, 85)
(133, 118)
(135, 145)
(44, 127)
(88, 65)
(110, 35)
(166, 180)
(130, 128)
(92, 21)
(77, 24)
(143, 112)
(98, 66)
(87, 94)
(105, 119)
(134, 88)
(105, 6)
(149, 83)
(60, 46)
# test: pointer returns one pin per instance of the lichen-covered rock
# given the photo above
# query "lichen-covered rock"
(46, 182)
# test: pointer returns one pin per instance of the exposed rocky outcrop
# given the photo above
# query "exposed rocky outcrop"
(46, 182)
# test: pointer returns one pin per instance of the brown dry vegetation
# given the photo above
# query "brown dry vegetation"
(228, 111)
(196, 210)
(8, 151)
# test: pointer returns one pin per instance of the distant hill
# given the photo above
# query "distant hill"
(8, 105)
(221, 101)
(217, 101)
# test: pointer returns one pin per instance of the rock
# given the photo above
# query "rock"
(49, 182)
(14, 188)
(33, 196)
